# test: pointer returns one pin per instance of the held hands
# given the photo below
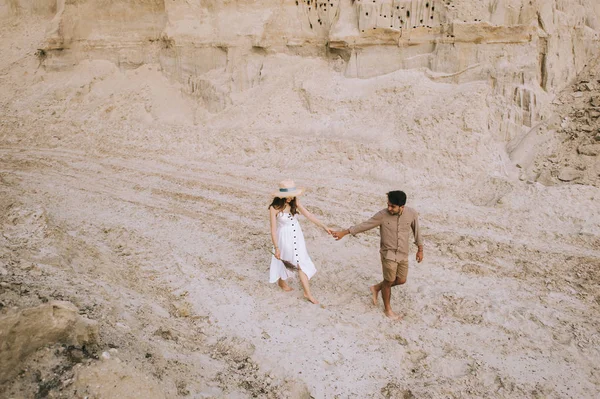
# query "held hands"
(327, 229)
(338, 235)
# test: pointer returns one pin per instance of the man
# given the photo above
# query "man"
(395, 224)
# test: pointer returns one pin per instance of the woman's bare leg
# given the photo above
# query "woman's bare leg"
(304, 281)
(284, 286)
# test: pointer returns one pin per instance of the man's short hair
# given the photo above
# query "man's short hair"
(397, 198)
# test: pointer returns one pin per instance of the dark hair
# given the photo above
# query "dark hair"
(397, 197)
(279, 204)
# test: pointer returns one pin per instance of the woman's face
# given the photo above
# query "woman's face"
(289, 199)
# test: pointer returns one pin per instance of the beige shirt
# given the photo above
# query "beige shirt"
(394, 231)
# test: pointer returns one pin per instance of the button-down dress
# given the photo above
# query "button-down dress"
(292, 247)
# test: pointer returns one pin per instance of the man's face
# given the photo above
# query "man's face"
(394, 209)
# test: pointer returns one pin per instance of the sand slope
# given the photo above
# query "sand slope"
(148, 212)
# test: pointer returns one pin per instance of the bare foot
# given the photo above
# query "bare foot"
(284, 286)
(392, 315)
(311, 299)
(375, 292)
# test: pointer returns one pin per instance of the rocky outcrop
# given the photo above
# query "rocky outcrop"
(574, 151)
(24, 332)
(112, 378)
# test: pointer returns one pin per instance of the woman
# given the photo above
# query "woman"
(288, 240)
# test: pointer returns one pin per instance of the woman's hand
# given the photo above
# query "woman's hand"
(338, 235)
(277, 254)
(327, 229)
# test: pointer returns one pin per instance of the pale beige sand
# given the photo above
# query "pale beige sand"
(150, 214)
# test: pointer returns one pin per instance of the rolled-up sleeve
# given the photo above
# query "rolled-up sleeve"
(367, 225)
(417, 231)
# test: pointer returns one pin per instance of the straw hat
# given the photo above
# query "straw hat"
(287, 188)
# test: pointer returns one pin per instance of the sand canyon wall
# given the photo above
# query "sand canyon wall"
(526, 50)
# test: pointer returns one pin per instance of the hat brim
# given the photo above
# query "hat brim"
(288, 194)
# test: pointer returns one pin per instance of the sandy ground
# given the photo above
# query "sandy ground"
(150, 214)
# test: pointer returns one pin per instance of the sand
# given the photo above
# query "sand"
(147, 211)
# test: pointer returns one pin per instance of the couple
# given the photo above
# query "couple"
(395, 224)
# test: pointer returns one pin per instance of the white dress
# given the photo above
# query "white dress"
(292, 247)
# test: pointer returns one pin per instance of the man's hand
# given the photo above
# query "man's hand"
(420, 255)
(338, 235)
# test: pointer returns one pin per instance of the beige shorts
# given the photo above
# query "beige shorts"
(393, 270)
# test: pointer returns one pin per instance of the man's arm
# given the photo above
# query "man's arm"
(418, 239)
(359, 228)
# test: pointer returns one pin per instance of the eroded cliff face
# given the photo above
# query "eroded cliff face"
(526, 51)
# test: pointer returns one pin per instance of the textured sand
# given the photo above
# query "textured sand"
(149, 213)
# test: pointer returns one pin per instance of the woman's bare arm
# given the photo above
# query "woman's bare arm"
(312, 217)
(273, 219)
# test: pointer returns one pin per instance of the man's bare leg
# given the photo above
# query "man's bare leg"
(375, 292)
(398, 281)
(377, 287)
(305, 286)
(386, 293)
(284, 286)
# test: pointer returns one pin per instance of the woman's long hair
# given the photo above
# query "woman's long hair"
(279, 204)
